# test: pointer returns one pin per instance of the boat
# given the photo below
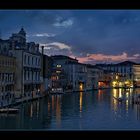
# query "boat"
(120, 99)
(57, 91)
(9, 110)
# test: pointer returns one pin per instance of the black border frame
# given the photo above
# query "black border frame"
(69, 4)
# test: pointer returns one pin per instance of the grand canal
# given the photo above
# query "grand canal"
(93, 110)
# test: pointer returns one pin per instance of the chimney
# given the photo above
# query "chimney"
(42, 50)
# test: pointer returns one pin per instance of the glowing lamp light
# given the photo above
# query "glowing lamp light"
(81, 86)
(131, 86)
(126, 82)
(114, 82)
(58, 66)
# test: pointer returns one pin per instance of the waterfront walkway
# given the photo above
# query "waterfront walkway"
(13, 102)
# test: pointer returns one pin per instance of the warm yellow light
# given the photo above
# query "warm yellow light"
(131, 90)
(120, 84)
(81, 98)
(114, 83)
(131, 86)
(117, 76)
(115, 92)
(120, 94)
(120, 90)
(127, 94)
(126, 82)
(81, 86)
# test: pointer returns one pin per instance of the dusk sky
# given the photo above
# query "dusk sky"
(92, 36)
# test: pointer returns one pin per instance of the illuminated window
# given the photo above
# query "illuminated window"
(58, 71)
(58, 66)
(117, 76)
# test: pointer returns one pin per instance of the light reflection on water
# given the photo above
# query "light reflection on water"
(97, 109)
(81, 100)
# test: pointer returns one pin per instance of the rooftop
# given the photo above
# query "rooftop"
(62, 57)
(125, 63)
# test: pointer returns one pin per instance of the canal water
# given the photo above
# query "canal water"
(92, 110)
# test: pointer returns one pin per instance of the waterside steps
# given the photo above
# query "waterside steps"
(9, 110)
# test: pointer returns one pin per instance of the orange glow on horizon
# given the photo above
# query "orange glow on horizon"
(103, 57)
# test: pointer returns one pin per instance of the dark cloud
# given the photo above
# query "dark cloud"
(108, 32)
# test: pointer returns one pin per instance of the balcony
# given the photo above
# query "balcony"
(32, 81)
(7, 82)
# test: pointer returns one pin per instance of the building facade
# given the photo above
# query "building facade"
(123, 73)
(7, 76)
(28, 71)
(60, 71)
(136, 75)
(47, 71)
(94, 76)
(7, 71)
(77, 75)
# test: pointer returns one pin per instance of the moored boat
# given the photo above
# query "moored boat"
(120, 99)
(57, 91)
(9, 110)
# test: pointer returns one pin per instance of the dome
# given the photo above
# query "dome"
(22, 31)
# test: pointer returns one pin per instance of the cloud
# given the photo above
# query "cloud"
(60, 22)
(56, 44)
(108, 58)
(136, 55)
(45, 35)
(57, 48)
